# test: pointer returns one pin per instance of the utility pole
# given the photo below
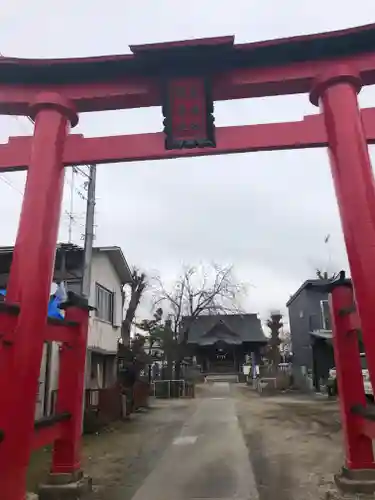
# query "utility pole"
(89, 232)
(87, 257)
(71, 211)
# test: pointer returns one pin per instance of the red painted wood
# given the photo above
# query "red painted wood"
(367, 428)
(214, 41)
(8, 323)
(269, 137)
(47, 435)
(135, 92)
(358, 447)
(101, 95)
(29, 284)
(124, 93)
(355, 191)
(66, 453)
(187, 109)
(60, 333)
(342, 128)
(309, 133)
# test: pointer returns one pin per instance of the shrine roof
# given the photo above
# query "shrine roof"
(246, 327)
(206, 55)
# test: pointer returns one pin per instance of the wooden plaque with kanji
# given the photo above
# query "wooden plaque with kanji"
(188, 109)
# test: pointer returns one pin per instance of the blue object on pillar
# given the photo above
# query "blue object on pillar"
(53, 308)
(53, 305)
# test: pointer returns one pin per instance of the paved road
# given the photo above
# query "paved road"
(208, 460)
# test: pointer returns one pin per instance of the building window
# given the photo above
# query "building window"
(326, 315)
(104, 303)
(74, 285)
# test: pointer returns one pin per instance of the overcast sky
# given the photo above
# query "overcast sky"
(266, 213)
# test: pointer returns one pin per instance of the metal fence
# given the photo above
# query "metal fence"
(167, 389)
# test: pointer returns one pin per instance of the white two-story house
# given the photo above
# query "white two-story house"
(109, 274)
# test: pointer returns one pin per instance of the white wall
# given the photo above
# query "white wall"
(104, 335)
(101, 334)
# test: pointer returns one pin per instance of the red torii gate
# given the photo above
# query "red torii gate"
(185, 78)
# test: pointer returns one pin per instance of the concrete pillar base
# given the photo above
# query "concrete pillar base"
(65, 487)
(361, 481)
(31, 496)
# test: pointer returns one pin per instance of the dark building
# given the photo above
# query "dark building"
(311, 334)
(68, 265)
(220, 343)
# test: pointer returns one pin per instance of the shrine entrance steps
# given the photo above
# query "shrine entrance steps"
(232, 378)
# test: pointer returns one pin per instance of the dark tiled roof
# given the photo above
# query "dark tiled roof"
(246, 327)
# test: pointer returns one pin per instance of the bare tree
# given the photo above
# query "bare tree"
(322, 272)
(325, 275)
(137, 288)
(198, 290)
(131, 356)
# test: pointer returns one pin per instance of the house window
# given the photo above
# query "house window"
(326, 315)
(104, 303)
(74, 285)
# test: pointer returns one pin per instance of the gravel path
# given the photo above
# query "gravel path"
(294, 444)
(120, 459)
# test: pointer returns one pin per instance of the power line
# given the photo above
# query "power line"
(6, 181)
(2, 177)
(71, 217)
(87, 185)
(17, 118)
(82, 172)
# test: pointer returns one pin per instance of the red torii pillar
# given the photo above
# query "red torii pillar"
(336, 92)
(20, 351)
(354, 186)
(29, 288)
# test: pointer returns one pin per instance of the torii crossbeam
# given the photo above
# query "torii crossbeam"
(185, 78)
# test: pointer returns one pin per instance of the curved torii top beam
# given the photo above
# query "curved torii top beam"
(273, 67)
